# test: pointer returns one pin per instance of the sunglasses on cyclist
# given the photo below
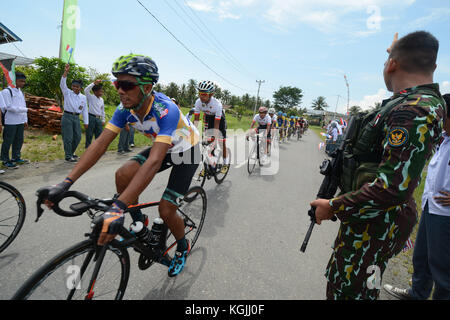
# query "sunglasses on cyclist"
(128, 85)
(125, 85)
(203, 94)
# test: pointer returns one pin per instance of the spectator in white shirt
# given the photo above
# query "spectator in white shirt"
(96, 107)
(16, 120)
(75, 104)
(431, 259)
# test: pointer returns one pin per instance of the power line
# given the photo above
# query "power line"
(203, 37)
(217, 41)
(189, 50)
(11, 42)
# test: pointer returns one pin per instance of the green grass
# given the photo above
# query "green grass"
(318, 130)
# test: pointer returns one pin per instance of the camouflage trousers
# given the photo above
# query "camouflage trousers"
(361, 253)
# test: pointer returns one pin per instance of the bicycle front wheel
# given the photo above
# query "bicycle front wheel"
(221, 173)
(252, 158)
(193, 212)
(68, 275)
(12, 214)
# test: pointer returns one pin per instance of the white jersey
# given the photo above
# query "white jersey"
(212, 108)
(274, 118)
(263, 121)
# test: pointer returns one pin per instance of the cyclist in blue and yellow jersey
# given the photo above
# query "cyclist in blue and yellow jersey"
(280, 124)
(273, 126)
(286, 124)
(175, 146)
(292, 124)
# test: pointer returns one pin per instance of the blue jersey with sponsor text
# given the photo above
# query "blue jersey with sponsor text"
(163, 122)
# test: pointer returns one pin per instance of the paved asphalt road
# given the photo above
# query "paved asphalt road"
(248, 249)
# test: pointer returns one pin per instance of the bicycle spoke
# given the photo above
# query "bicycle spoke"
(9, 218)
(2, 234)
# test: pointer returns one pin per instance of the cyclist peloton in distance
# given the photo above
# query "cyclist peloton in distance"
(214, 117)
(280, 124)
(273, 126)
(175, 146)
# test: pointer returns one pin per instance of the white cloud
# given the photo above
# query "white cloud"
(201, 5)
(369, 101)
(445, 87)
(436, 14)
(327, 16)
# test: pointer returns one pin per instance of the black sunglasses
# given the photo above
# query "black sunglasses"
(125, 85)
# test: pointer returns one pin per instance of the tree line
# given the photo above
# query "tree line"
(43, 78)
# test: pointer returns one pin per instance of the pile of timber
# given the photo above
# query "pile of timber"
(44, 114)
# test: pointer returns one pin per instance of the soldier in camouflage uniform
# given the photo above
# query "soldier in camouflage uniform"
(390, 150)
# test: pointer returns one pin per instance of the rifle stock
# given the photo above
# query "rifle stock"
(331, 169)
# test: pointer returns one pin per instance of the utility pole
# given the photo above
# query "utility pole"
(335, 110)
(348, 93)
(260, 82)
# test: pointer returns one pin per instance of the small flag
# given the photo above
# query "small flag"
(408, 245)
(69, 50)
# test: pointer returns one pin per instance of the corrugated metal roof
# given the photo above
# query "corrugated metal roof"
(19, 61)
(7, 36)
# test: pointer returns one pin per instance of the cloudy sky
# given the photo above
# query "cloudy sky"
(310, 44)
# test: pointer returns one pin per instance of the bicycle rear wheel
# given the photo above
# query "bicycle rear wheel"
(12, 214)
(67, 276)
(193, 212)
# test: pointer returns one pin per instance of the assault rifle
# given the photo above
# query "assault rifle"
(331, 169)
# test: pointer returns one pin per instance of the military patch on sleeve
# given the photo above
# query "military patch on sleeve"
(398, 137)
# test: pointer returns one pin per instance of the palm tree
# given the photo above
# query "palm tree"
(355, 110)
(226, 96)
(319, 103)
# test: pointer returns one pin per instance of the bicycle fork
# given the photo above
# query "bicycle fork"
(98, 259)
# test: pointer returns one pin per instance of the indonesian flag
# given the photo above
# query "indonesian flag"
(8, 68)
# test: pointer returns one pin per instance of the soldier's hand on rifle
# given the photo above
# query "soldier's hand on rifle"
(323, 210)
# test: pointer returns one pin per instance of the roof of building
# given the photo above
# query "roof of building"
(7, 36)
(19, 61)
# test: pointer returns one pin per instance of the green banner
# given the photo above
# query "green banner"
(70, 24)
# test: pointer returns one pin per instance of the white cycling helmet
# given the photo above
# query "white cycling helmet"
(206, 86)
(272, 111)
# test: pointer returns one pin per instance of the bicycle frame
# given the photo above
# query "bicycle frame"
(128, 238)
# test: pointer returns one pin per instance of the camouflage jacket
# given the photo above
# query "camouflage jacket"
(411, 130)
(378, 218)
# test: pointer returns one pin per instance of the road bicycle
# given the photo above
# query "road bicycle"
(299, 133)
(12, 214)
(88, 271)
(289, 133)
(212, 165)
(256, 150)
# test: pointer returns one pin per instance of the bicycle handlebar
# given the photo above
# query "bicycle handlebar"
(77, 209)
